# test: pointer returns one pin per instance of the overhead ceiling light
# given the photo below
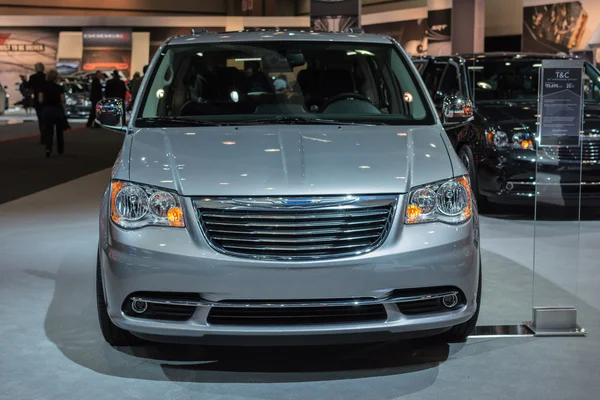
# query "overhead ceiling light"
(199, 54)
(228, 143)
(271, 150)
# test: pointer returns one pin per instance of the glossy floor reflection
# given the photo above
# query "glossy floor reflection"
(50, 345)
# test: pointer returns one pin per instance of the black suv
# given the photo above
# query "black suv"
(498, 145)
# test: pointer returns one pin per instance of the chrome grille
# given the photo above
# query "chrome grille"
(588, 152)
(310, 228)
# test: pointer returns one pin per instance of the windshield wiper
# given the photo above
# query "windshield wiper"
(174, 121)
(296, 120)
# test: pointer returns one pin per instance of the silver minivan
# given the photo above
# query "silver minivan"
(288, 184)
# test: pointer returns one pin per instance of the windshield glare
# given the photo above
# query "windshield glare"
(242, 82)
(517, 80)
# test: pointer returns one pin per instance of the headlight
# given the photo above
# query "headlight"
(135, 206)
(446, 201)
(70, 101)
(501, 140)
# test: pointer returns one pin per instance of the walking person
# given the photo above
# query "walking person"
(52, 98)
(136, 82)
(95, 97)
(115, 88)
(37, 82)
(26, 95)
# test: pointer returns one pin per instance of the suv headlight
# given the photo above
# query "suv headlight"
(447, 201)
(501, 140)
(135, 206)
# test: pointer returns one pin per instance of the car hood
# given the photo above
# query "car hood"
(510, 116)
(289, 159)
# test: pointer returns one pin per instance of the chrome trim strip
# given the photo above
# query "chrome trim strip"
(333, 215)
(294, 224)
(298, 304)
(293, 240)
(533, 183)
(311, 202)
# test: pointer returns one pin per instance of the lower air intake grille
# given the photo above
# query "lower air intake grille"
(296, 316)
(296, 228)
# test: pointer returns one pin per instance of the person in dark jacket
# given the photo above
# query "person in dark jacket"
(37, 82)
(115, 88)
(136, 82)
(26, 95)
(52, 97)
(95, 97)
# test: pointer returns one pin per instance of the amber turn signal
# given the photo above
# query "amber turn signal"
(413, 212)
(116, 186)
(175, 216)
(526, 144)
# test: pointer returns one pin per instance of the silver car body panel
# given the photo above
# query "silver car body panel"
(289, 160)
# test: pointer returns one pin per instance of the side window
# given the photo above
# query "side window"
(591, 84)
(450, 83)
(432, 76)
(420, 65)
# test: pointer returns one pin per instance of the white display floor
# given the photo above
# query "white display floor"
(50, 344)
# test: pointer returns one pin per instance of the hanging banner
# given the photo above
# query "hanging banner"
(107, 49)
(553, 28)
(410, 34)
(439, 23)
(20, 50)
(334, 15)
(561, 103)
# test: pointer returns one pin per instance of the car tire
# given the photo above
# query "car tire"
(459, 333)
(113, 335)
(466, 156)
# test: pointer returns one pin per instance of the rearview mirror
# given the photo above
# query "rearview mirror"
(456, 110)
(109, 114)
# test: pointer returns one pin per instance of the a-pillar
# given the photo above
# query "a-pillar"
(468, 26)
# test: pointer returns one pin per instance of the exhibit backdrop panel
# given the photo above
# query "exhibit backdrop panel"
(20, 50)
(334, 16)
(107, 49)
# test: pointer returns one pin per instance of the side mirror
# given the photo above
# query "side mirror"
(456, 110)
(109, 114)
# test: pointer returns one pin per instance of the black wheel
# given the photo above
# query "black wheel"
(114, 335)
(459, 333)
(466, 156)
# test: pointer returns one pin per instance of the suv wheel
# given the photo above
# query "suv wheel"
(466, 156)
(459, 333)
(114, 335)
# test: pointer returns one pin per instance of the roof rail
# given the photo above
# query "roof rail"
(355, 30)
(199, 31)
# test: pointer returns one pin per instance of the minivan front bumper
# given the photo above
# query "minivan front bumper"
(168, 263)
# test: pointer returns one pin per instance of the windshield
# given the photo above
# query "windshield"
(516, 79)
(245, 82)
(71, 88)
